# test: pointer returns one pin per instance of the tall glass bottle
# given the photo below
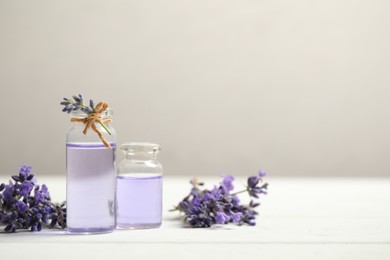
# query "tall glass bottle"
(139, 187)
(91, 178)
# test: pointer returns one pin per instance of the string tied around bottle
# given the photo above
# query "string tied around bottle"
(96, 117)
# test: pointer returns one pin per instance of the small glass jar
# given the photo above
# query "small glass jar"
(139, 187)
(91, 178)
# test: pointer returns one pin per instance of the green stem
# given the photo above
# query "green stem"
(105, 127)
(238, 192)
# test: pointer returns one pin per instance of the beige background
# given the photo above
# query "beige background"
(293, 87)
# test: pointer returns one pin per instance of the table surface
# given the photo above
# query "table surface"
(300, 218)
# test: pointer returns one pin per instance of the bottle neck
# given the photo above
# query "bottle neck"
(140, 157)
(140, 151)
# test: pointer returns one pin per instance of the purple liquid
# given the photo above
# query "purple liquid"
(139, 201)
(90, 188)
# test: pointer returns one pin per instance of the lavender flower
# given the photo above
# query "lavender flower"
(237, 217)
(26, 205)
(76, 103)
(203, 208)
(262, 173)
(25, 188)
(221, 218)
(227, 184)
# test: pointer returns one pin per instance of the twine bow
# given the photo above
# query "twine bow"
(95, 117)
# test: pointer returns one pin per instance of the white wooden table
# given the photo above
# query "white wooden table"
(300, 218)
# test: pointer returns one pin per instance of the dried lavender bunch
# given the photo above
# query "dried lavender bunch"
(203, 208)
(26, 205)
(76, 103)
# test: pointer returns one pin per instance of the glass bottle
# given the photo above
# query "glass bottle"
(139, 187)
(91, 178)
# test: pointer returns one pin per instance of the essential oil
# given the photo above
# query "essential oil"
(90, 188)
(139, 201)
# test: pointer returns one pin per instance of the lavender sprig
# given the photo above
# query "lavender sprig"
(204, 208)
(76, 103)
(26, 205)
